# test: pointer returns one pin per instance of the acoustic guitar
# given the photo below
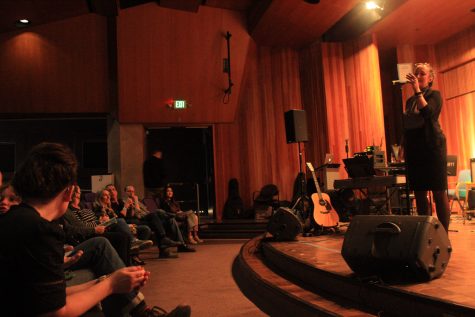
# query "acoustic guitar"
(323, 212)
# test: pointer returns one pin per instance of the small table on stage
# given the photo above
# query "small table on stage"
(390, 182)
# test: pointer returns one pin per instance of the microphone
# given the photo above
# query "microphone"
(399, 82)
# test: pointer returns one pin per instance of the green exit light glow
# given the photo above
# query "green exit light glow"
(179, 104)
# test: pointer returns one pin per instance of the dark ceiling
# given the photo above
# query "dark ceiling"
(285, 23)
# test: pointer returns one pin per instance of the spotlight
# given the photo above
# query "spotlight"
(372, 5)
(22, 23)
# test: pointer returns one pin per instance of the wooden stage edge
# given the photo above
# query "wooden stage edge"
(309, 277)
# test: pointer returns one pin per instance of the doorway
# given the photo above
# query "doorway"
(188, 164)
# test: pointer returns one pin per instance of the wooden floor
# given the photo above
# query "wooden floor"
(314, 265)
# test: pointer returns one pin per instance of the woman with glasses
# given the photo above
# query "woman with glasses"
(425, 145)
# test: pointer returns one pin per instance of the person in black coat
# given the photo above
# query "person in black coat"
(425, 144)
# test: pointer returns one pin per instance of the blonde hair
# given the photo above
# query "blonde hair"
(429, 68)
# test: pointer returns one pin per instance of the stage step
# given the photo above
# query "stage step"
(278, 296)
(232, 229)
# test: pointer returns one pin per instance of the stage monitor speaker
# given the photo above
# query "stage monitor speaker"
(284, 225)
(296, 126)
(397, 247)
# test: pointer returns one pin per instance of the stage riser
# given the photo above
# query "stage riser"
(269, 298)
(391, 301)
(275, 295)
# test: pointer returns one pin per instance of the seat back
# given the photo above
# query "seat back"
(90, 197)
(464, 177)
(150, 204)
(88, 205)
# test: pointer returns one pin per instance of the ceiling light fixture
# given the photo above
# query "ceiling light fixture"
(372, 5)
(22, 23)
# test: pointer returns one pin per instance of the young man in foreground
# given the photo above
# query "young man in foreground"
(31, 246)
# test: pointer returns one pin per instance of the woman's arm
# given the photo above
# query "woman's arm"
(433, 105)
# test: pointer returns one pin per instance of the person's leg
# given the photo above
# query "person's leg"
(144, 232)
(195, 229)
(101, 258)
(121, 243)
(422, 204)
(154, 222)
(176, 233)
(442, 207)
(179, 237)
(122, 226)
(191, 225)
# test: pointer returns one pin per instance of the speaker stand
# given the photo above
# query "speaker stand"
(302, 197)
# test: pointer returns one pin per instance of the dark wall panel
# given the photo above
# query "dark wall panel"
(78, 134)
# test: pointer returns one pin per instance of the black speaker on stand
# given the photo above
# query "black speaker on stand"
(296, 131)
(296, 126)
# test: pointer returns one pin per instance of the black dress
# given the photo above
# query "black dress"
(424, 144)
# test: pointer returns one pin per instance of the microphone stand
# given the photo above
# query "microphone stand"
(407, 190)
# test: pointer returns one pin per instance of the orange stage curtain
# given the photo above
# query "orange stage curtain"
(253, 149)
(353, 96)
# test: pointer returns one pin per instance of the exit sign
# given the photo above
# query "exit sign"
(179, 104)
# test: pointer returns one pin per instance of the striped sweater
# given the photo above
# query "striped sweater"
(86, 216)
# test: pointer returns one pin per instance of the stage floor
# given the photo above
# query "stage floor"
(457, 284)
(316, 264)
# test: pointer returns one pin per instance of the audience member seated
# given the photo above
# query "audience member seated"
(103, 210)
(32, 255)
(8, 198)
(137, 213)
(170, 205)
(81, 224)
(116, 203)
(167, 219)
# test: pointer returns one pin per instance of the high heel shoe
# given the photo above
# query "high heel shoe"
(197, 239)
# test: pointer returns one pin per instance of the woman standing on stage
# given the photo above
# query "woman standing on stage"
(425, 145)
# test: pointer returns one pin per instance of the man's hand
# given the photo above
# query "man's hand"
(99, 229)
(128, 203)
(104, 218)
(69, 260)
(129, 278)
